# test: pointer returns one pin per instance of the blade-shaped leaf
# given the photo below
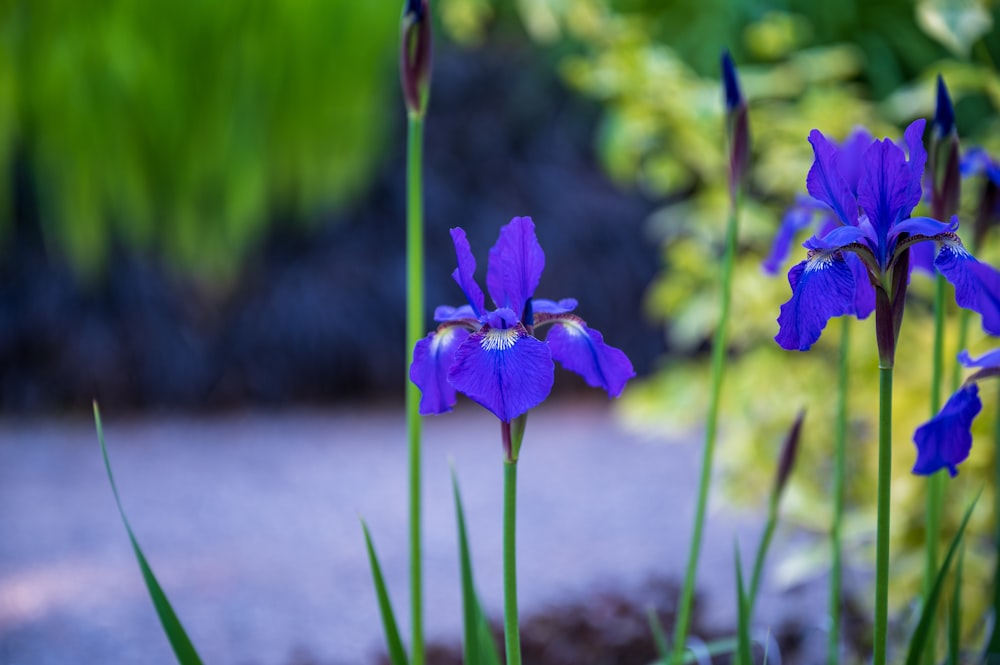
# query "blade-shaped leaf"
(925, 625)
(744, 654)
(659, 637)
(479, 646)
(955, 616)
(397, 654)
(179, 641)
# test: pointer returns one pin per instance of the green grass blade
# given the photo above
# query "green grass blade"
(955, 616)
(659, 637)
(920, 635)
(179, 641)
(397, 654)
(744, 655)
(479, 646)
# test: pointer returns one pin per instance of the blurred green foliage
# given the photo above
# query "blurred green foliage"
(804, 65)
(189, 126)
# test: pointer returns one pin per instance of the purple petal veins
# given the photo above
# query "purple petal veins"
(945, 440)
(504, 369)
(822, 287)
(582, 350)
(516, 264)
(825, 182)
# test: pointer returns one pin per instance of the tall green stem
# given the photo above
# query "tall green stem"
(993, 648)
(839, 471)
(884, 499)
(512, 633)
(719, 344)
(414, 332)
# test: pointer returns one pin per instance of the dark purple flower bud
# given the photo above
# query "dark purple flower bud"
(415, 55)
(737, 126)
(944, 115)
(944, 168)
(787, 460)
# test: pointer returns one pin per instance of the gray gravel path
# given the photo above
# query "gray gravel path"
(251, 523)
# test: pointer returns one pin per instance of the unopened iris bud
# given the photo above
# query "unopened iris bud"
(415, 55)
(787, 460)
(737, 126)
(944, 159)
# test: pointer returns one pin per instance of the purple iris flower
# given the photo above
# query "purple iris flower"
(945, 440)
(493, 356)
(871, 199)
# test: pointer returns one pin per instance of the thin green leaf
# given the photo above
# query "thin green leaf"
(179, 641)
(397, 654)
(659, 637)
(924, 626)
(744, 654)
(955, 616)
(479, 647)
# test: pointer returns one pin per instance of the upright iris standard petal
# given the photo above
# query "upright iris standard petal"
(977, 285)
(516, 264)
(432, 357)
(822, 288)
(916, 163)
(883, 191)
(504, 369)
(945, 440)
(464, 274)
(582, 350)
(826, 183)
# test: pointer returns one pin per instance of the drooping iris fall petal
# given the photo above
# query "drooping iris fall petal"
(945, 440)
(822, 288)
(432, 357)
(582, 350)
(504, 369)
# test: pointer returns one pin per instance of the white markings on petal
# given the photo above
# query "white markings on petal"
(499, 339)
(821, 260)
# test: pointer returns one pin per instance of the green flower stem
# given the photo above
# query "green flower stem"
(993, 648)
(414, 332)
(884, 499)
(935, 484)
(839, 471)
(511, 631)
(711, 425)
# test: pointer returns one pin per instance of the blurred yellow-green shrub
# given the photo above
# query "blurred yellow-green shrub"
(804, 65)
(188, 126)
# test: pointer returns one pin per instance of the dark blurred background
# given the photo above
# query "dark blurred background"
(205, 203)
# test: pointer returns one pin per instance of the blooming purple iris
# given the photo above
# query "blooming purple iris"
(872, 193)
(493, 356)
(945, 440)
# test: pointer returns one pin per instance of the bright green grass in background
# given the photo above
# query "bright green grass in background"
(189, 126)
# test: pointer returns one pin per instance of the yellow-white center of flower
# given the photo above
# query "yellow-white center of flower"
(499, 339)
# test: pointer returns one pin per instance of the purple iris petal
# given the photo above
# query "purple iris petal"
(864, 292)
(826, 183)
(504, 369)
(464, 273)
(922, 257)
(849, 160)
(549, 307)
(516, 264)
(822, 287)
(835, 239)
(796, 218)
(977, 285)
(985, 361)
(913, 136)
(432, 356)
(925, 226)
(884, 189)
(446, 313)
(582, 350)
(945, 440)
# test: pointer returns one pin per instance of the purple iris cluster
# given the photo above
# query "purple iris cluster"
(493, 356)
(868, 189)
